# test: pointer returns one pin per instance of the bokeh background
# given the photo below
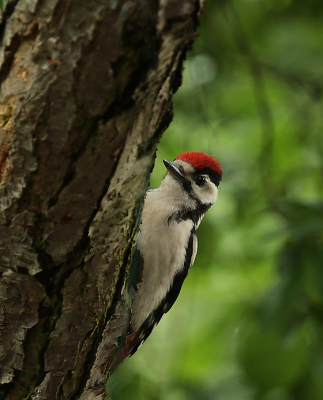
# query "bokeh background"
(248, 322)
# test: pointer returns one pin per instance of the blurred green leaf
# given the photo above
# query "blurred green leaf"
(252, 304)
(272, 360)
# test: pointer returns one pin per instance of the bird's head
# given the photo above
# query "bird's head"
(198, 174)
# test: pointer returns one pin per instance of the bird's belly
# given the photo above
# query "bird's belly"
(161, 263)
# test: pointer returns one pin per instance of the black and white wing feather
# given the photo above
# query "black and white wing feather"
(170, 298)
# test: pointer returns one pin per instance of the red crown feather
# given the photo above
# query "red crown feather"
(200, 161)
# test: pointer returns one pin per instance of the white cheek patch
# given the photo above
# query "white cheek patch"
(206, 194)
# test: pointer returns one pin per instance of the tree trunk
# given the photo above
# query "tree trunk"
(86, 92)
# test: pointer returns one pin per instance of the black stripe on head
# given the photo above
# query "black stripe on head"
(187, 186)
(170, 298)
(214, 176)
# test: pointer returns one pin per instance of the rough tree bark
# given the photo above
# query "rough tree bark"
(86, 92)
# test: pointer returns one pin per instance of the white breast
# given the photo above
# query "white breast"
(163, 246)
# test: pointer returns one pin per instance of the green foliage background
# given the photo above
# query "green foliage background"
(248, 322)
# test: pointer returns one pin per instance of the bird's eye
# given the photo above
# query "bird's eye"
(200, 180)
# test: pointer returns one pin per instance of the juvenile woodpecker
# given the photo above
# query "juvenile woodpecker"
(167, 239)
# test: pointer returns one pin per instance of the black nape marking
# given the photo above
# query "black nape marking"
(193, 214)
(167, 303)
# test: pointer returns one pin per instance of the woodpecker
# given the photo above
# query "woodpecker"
(167, 240)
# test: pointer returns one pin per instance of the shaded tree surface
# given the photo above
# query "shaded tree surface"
(86, 92)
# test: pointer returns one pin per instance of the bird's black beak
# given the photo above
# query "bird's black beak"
(175, 170)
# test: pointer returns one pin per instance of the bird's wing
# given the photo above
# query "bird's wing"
(138, 338)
